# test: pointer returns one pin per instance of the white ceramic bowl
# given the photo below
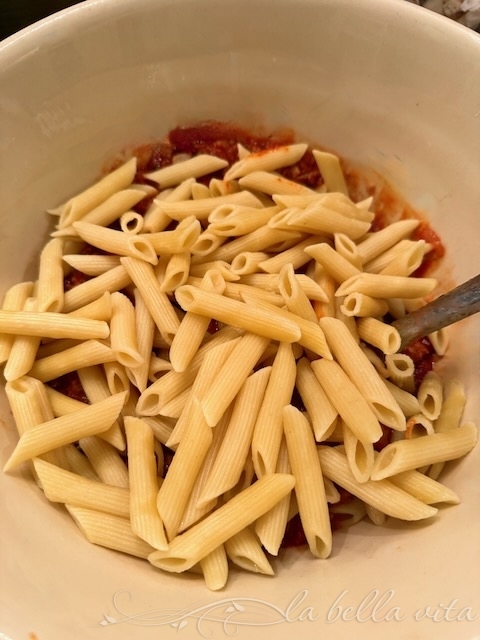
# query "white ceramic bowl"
(381, 81)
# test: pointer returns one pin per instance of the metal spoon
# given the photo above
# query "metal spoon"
(460, 303)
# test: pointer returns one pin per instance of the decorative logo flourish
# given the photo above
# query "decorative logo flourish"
(228, 613)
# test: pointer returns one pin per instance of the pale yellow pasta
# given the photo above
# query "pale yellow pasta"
(157, 302)
(348, 321)
(347, 248)
(81, 204)
(84, 354)
(200, 191)
(190, 547)
(142, 477)
(105, 460)
(270, 282)
(272, 183)
(362, 306)
(430, 395)
(382, 240)
(261, 239)
(117, 378)
(270, 528)
(144, 330)
(321, 217)
(242, 292)
(377, 517)
(376, 360)
(76, 462)
(407, 402)
(401, 370)
(92, 420)
(379, 334)
(196, 167)
(64, 486)
(215, 568)
(331, 171)
(109, 531)
(347, 400)
(230, 461)
(232, 375)
(382, 286)
(381, 494)
(273, 325)
(161, 426)
(208, 242)
(404, 455)
(240, 220)
(267, 160)
(296, 299)
(335, 264)
(49, 287)
(118, 242)
(180, 239)
(268, 431)
(406, 261)
(131, 222)
(424, 488)
(89, 291)
(199, 270)
(351, 512)
(201, 209)
(23, 350)
(51, 325)
(155, 218)
(439, 341)
(92, 265)
(123, 333)
(321, 411)
(307, 472)
(14, 300)
(176, 272)
(244, 550)
(297, 256)
(248, 262)
(360, 455)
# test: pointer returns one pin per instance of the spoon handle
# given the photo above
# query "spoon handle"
(460, 303)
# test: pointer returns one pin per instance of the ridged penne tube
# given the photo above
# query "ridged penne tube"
(407, 402)
(144, 329)
(401, 369)
(117, 379)
(346, 248)
(241, 220)
(335, 264)
(246, 316)
(377, 517)
(266, 160)
(244, 550)
(201, 209)
(221, 187)
(381, 286)
(157, 302)
(362, 306)
(230, 461)
(241, 292)
(261, 239)
(76, 462)
(92, 265)
(49, 324)
(215, 568)
(64, 486)
(379, 334)
(360, 456)
(309, 488)
(176, 273)
(418, 425)
(381, 494)
(325, 308)
(200, 191)
(117, 242)
(347, 514)
(430, 395)
(142, 473)
(207, 243)
(84, 354)
(156, 369)
(115, 206)
(382, 240)
(105, 460)
(319, 217)
(270, 528)
(13, 300)
(376, 360)
(85, 293)
(348, 321)
(272, 183)
(321, 412)
(295, 298)
(81, 204)
(196, 167)
(363, 374)
(131, 222)
(182, 238)
(193, 326)
(162, 427)
(92, 420)
(405, 455)
(268, 431)
(109, 531)
(424, 488)
(23, 351)
(331, 171)
(50, 291)
(123, 334)
(199, 270)
(29, 403)
(232, 375)
(190, 547)
(347, 400)
(406, 261)
(248, 262)
(270, 282)
(297, 256)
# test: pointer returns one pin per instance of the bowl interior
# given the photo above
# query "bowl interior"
(386, 84)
